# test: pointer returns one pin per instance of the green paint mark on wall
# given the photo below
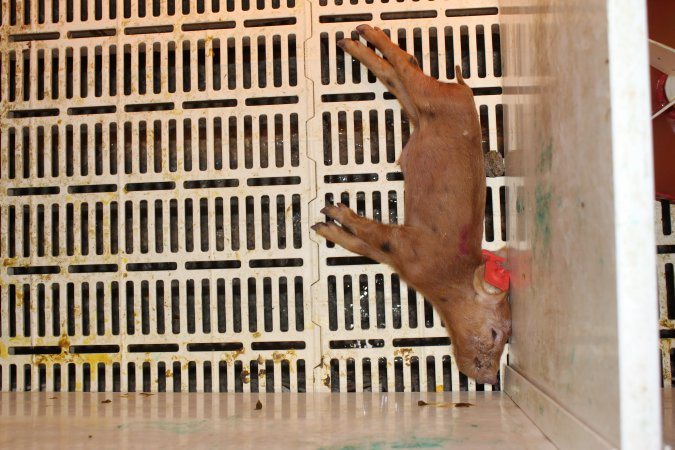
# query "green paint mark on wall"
(546, 157)
(520, 206)
(542, 199)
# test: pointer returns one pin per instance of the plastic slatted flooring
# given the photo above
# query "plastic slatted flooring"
(161, 163)
(665, 241)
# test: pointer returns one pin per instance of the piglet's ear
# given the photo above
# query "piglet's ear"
(485, 292)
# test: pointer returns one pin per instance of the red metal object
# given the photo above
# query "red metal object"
(663, 132)
(495, 273)
(661, 15)
(660, 93)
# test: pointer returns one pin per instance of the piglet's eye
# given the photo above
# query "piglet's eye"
(494, 334)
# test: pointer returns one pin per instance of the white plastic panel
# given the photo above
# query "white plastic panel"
(161, 165)
(583, 364)
(155, 187)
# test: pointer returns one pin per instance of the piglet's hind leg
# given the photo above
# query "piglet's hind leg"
(384, 239)
(347, 240)
(384, 72)
(403, 63)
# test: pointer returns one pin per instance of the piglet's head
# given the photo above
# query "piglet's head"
(480, 324)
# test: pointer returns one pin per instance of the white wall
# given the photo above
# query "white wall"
(584, 361)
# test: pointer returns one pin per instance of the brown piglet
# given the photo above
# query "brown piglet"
(438, 248)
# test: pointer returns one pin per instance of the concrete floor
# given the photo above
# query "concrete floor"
(321, 421)
(474, 420)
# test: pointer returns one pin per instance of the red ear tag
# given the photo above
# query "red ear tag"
(495, 273)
